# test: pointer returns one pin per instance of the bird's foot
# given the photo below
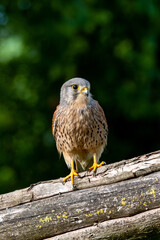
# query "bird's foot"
(95, 166)
(71, 175)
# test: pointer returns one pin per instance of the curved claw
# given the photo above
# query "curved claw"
(95, 166)
(72, 174)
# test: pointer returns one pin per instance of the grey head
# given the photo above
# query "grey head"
(75, 89)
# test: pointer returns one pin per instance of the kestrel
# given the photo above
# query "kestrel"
(79, 127)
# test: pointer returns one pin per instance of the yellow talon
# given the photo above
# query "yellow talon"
(95, 164)
(72, 174)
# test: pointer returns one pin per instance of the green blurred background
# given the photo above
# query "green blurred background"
(113, 44)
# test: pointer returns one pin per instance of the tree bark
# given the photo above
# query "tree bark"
(121, 202)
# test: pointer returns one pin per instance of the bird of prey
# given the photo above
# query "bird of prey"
(79, 127)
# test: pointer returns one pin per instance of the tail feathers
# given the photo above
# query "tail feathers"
(83, 166)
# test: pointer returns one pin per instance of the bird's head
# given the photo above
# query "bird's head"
(75, 90)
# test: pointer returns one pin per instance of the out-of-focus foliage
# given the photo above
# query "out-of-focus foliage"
(113, 44)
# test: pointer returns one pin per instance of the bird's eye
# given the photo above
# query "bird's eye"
(75, 87)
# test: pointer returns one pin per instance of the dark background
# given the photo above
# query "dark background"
(113, 44)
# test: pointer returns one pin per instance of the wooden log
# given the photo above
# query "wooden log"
(108, 174)
(49, 209)
(144, 225)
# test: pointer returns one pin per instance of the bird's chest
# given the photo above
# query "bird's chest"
(74, 127)
(79, 129)
(77, 121)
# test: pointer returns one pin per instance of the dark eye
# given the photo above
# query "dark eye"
(75, 87)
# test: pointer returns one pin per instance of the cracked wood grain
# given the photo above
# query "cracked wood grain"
(119, 194)
(70, 211)
(108, 174)
(141, 226)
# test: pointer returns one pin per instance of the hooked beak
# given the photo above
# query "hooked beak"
(85, 91)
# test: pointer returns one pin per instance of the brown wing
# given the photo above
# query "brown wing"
(54, 121)
(103, 122)
(101, 111)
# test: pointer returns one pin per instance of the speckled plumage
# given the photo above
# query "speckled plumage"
(79, 125)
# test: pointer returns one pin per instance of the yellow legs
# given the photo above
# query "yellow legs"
(95, 164)
(72, 174)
